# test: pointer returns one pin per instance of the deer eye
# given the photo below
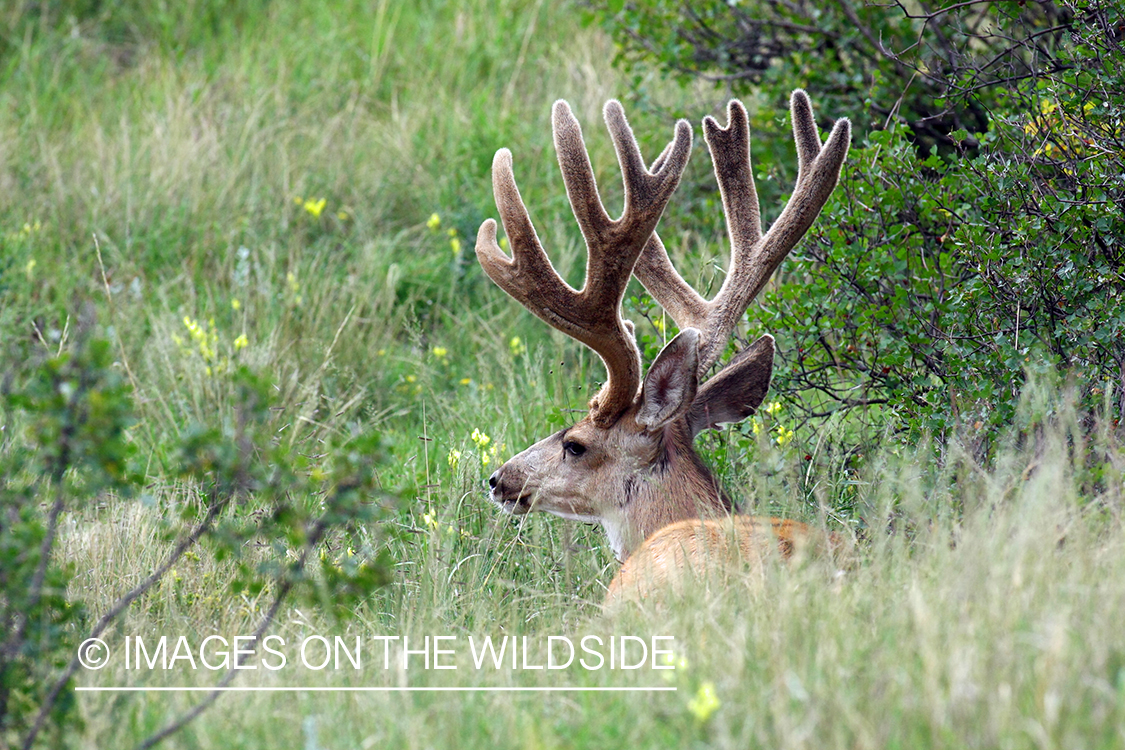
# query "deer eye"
(573, 448)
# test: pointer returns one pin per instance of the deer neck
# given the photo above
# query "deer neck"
(675, 486)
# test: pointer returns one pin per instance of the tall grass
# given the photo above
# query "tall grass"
(388, 112)
(169, 168)
(994, 626)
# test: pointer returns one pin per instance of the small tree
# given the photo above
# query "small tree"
(65, 443)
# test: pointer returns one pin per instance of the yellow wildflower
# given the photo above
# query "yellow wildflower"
(705, 702)
(676, 662)
(455, 245)
(241, 342)
(433, 222)
(314, 207)
(517, 346)
(440, 351)
(672, 665)
(481, 439)
(204, 339)
(235, 305)
(784, 436)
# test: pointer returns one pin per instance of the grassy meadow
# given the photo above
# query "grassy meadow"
(296, 188)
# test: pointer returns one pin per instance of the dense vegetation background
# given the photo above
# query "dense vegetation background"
(253, 377)
(978, 234)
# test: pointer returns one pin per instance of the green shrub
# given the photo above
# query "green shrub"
(947, 265)
(66, 447)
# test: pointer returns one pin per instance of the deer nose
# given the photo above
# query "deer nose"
(494, 479)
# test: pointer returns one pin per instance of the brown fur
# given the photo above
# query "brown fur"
(630, 480)
(695, 547)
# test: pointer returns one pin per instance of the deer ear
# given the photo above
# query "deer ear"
(670, 385)
(737, 391)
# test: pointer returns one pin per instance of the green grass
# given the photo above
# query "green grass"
(983, 609)
(993, 627)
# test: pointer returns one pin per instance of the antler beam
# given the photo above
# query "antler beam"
(754, 257)
(591, 315)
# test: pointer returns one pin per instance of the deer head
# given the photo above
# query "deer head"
(629, 464)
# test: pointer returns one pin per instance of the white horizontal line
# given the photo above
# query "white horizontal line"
(374, 689)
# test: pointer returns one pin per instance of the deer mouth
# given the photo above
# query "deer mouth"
(517, 506)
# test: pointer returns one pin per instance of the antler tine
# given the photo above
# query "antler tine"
(806, 135)
(593, 314)
(817, 175)
(614, 245)
(754, 257)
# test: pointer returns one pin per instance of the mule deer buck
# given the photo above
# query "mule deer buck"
(629, 465)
